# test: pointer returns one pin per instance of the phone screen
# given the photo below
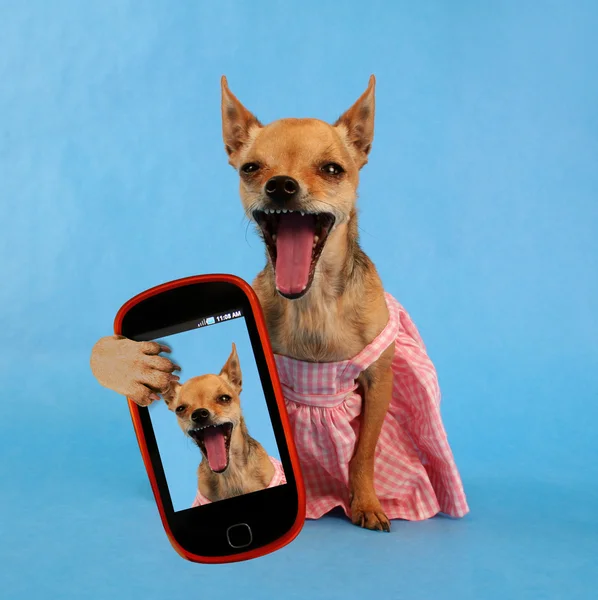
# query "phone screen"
(213, 431)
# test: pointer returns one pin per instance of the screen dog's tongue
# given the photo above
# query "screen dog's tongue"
(294, 243)
(215, 448)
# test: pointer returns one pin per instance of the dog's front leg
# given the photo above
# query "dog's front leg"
(376, 383)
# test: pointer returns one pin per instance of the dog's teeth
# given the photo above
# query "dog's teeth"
(284, 210)
(302, 213)
(278, 211)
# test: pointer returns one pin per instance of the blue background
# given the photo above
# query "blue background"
(197, 352)
(479, 207)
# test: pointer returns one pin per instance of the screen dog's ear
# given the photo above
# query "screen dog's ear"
(231, 370)
(171, 393)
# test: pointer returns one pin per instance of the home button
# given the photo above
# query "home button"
(239, 536)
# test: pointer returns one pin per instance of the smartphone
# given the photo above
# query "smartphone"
(217, 448)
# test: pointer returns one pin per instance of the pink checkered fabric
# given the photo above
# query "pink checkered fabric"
(279, 478)
(415, 473)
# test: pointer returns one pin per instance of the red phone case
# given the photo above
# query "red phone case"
(134, 410)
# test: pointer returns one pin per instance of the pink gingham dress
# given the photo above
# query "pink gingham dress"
(278, 478)
(415, 474)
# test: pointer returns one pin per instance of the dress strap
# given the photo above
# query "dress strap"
(372, 352)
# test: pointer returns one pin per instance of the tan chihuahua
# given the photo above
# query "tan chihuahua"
(321, 295)
(208, 410)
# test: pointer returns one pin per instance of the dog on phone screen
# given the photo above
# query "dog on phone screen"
(208, 410)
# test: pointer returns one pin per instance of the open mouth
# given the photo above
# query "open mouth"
(295, 241)
(214, 442)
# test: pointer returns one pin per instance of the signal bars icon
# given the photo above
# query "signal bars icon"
(206, 321)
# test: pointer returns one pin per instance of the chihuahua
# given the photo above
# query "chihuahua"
(208, 410)
(322, 297)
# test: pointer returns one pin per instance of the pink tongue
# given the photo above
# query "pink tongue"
(294, 243)
(215, 448)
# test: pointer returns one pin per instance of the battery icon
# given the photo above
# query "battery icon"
(210, 321)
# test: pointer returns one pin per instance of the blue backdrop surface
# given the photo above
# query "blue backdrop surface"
(479, 208)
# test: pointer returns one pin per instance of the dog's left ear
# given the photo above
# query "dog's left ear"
(231, 371)
(358, 123)
(237, 121)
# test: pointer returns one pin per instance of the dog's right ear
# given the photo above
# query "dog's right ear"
(358, 123)
(171, 392)
(237, 121)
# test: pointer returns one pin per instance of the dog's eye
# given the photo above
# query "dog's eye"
(180, 408)
(225, 398)
(250, 168)
(332, 169)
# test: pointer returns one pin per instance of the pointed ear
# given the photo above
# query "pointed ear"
(358, 123)
(171, 393)
(231, 371)
(237, 121)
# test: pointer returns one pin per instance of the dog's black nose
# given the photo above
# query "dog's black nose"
(200, 415)
(281, 188)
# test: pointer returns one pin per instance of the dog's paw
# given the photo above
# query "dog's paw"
(369, 516)
(133, 369)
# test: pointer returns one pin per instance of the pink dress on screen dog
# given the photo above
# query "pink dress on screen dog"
(278, 479)
(415, 473)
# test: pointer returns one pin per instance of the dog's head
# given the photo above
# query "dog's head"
(299, 180)
(208, 409)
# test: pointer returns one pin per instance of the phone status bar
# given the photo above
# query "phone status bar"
(213, 319)
(220, 318)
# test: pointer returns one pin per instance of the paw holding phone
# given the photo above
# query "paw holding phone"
(135, 369)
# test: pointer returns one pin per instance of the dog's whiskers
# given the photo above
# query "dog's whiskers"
(334, 212)
(247, 216)
(246, 230)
